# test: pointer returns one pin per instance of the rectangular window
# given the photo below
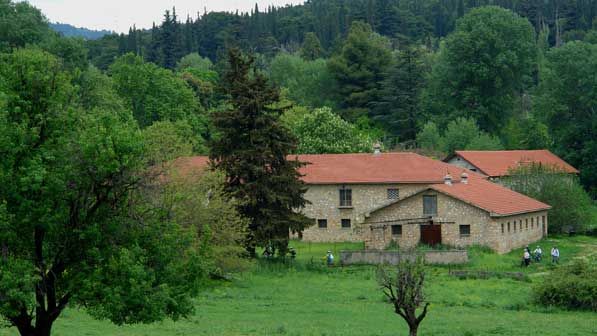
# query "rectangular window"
(429, 205)
(502, 228)
(345, 197)
(396, 230)
(345, 223)
(393, 194)
(508, 227)
(322, 223)
(465, 230)
(526, 224)
(532, 222)
(514, 226)
(520, 225)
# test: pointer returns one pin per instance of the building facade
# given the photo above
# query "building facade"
(408, 199)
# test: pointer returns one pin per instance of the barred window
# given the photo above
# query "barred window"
(345, 223)
(393, 194)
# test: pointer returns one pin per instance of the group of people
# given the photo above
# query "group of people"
(537, 255)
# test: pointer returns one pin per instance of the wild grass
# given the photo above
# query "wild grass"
(305, 297)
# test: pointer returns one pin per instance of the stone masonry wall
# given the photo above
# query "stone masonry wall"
(520, 231)
(325, 204)
(450, 214)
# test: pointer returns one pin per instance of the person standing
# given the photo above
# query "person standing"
(538, 253)
(527, 257)
(330, 258)
(555, 255)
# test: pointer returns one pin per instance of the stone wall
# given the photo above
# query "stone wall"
(394, 257)
(460, 162)
(325, 204)
(523, 230)
(450, 214)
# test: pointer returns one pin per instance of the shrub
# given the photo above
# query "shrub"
(571, 205)
(573, 287)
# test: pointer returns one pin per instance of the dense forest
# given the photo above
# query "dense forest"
(435, 75)
(92, 210)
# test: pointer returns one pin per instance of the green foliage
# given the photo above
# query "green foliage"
(71, 51)
(309, 82)
(200, 201)
(311, 48)
(398, 109)
(155, 94)
(460, 134)
(323, 131)
(526, 133)
(194, 61)
(566, 102)
(70, 219)
(429, 138)
(572, 286)
(481, 68)
(166, 141)
(21, 24)
(251, 148)
(359, 69)
(571, 205)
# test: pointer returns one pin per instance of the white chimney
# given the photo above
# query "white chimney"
(377, 148)
(448, 179)
(464, 178)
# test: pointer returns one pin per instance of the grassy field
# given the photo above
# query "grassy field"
(308, 298)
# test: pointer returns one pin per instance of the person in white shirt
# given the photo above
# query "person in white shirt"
(555, 255)
(527, 257)
(538, 253)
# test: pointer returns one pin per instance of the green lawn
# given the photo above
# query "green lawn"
(311, 299)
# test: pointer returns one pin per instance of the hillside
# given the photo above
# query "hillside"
(72, 31)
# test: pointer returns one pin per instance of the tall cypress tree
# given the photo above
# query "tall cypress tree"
(252, 149)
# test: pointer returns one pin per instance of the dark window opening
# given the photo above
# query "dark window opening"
(429, 205)
(393, 194)
(465, 230)
(502, 228)
(345, 197)
(508, 227)
(322, 223)
(526, 224)
(345, 223)
(396, 230)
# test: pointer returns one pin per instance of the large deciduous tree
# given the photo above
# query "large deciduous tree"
(482, 68)
(567, 101)
(69, 233)
(251, 148)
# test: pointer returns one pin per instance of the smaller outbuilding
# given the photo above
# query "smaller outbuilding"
(497, 164)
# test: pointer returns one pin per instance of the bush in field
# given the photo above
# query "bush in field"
(571, 205)
(573, 287)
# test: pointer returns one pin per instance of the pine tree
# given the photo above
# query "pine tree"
(398, 109)
(311, 49)
(252, 149)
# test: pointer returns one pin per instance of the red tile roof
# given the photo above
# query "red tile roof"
(402, 168)
(498, 163)
(491, 197)
(362, 168)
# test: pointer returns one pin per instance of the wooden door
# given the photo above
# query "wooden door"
(431, 234)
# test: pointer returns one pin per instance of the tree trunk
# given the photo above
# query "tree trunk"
(412, 330)
(42, 328)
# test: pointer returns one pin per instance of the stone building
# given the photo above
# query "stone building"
(411, 199)
(497, 164)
